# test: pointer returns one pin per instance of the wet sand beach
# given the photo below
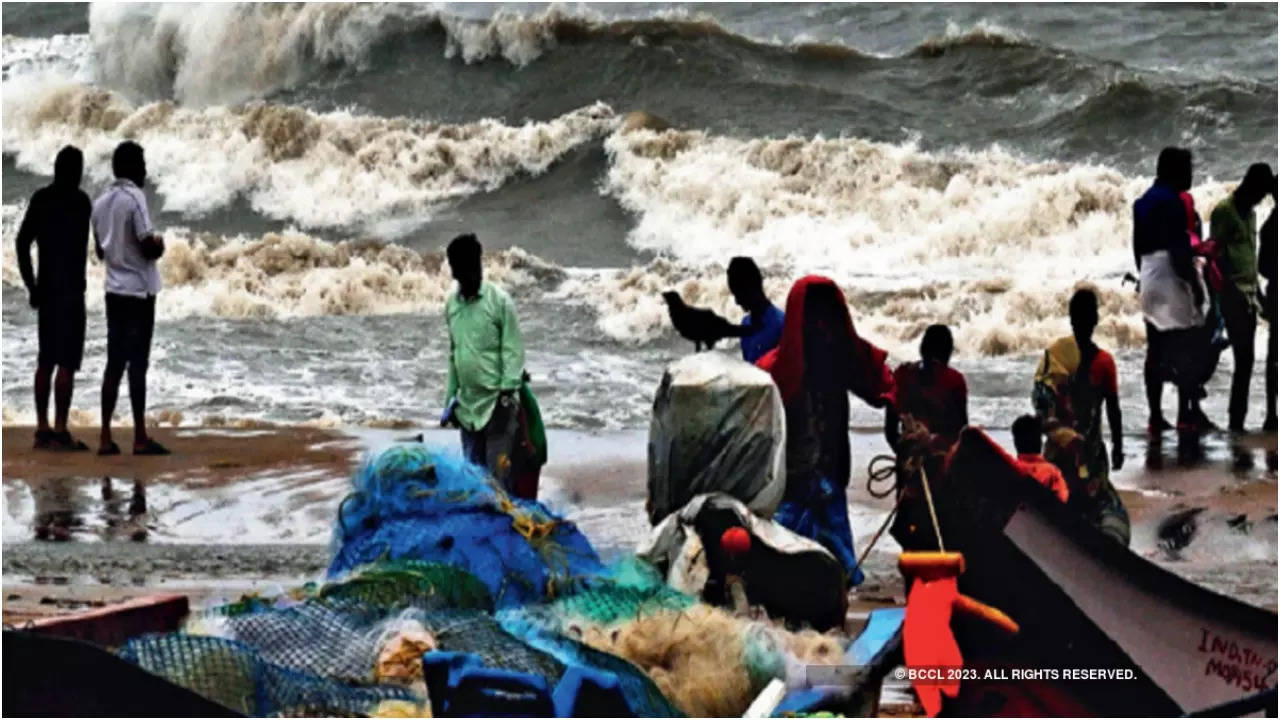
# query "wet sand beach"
(208, 456)
(234, 511)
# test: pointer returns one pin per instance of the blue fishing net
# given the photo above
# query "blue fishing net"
(604, 604)
(336, 629)
(413, 503)
(429, 538)
(235, 675)
(339, 643)
(483, 636)
(625, 591)
(247, 648)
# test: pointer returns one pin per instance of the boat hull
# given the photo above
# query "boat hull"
(1103, 630)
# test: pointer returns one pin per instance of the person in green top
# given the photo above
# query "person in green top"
(1232, 225)
(486, 373)
(1267, 269)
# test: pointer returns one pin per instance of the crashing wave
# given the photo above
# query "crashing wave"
(213, 53)
(982, 35)
(318, 170)
(1004, 240)
(291, 274)
(989, 317)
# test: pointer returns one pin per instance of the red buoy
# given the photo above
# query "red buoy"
(735, 542)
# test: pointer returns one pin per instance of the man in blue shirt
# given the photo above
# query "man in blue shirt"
(762, 327)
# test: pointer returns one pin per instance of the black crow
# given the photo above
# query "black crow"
(702, 326)
(1176, 531)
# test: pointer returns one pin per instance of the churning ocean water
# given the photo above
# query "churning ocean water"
(966, 164)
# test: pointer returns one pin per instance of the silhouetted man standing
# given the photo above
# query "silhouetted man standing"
(1232, 225)
(930, 391)
(129, 246)
(486, 373)
(1171, 296)
(762, 327)
(1267, 269)
(57, 221)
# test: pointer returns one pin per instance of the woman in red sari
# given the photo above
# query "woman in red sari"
(819, 361)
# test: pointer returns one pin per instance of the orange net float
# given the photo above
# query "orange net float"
(735, 542)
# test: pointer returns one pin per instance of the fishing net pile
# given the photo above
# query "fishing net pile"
(412, 503)
(431, 558)
(706, 661)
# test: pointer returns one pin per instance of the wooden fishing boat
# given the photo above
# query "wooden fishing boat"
(62, 666)
(112, 625)
(1104, 632)
(50, 676)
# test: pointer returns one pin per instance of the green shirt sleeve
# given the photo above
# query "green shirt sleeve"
(512, 347)
(1221, 225)
(1235, 234)
(451, 383)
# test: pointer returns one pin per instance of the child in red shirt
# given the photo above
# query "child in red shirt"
(1027, 439)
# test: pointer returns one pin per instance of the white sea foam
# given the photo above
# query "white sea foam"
(64, 55)
(318, 170)
(292, 274)
(982, 33)
(982, 240)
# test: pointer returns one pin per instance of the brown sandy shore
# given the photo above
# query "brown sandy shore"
(285, 482)
(202, 457)
(47, 578)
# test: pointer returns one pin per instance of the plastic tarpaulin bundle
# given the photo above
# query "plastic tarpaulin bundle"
(413, 503)
(686, 547)
(717, 426)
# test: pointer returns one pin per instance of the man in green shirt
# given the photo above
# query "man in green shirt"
(486, 368)
(1232, 225)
